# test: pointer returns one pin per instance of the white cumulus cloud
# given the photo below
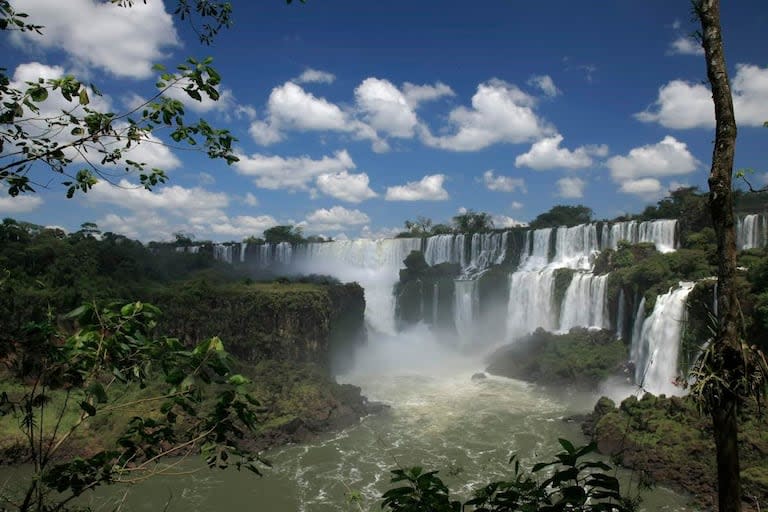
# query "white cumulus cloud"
(415, 95)
(174, 199)
(385, 108)
(500, 113)
(123, 41)
(23, 203)
(502, 183)
(503, 221)
(353, 188)
(335, 218)
(315, 76)
(670, 157)
(682, 105)
(545, 84)
(296, 173)
(547, 154)
(685, 45)
(645, 188)
(429, 188)
(571, 188)
(292, 108)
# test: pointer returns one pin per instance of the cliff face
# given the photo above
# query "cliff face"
(296, 322)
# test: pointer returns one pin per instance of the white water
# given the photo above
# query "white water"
(751, 231)
(584, 303)
(531, 293)
(659, 232)
(620, 314)
(656, 344)
(375, 264)
(530, 302)
(466, 306)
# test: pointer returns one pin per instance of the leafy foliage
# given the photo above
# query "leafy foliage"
(83, 143)
(563, 215)
(473, 222)
(285, 233)
(112, 346)
(574, 484)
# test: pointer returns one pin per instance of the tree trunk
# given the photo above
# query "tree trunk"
(727, 345)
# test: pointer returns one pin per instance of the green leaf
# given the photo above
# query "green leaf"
(84, 100)
(98, 391)
(88, 408)
(567, 445)
(238, 380)
(38, 93)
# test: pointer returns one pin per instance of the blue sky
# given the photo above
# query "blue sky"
(354, 116)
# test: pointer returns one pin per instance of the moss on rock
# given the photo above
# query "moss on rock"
(582, 357)
(669, 442)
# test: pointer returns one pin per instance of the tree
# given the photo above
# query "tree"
(422, 226)
(563, 215)
(285, 233)
(728, 371)
(473, 222)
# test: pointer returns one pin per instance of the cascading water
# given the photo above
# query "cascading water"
(466, 304)
(222, 253)
(659, 232)
(620, 315)
(584, 302)
(576, 247)
(530, 302)
(656, 345)
(439, 416)
(532, 288)
(751, 231)
(372, 263)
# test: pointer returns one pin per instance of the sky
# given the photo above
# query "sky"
(354, 116)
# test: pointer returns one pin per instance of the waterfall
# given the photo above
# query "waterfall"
(485, 249)
(637, 350)
(659, 232)
(657, 343)
(222, 253)
(530, 305)
(435, 301)
(584, 303)
(576, 247)
(375, 264)
(620, 313)
(751, 231)
(191, 249)
(466, 303)
(537, 255)
(243, 249)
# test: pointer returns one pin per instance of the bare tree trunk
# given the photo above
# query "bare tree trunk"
(727, 345)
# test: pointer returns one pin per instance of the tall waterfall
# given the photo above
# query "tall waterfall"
(656, 344)
(372, 263)
(532, 288)
(482, 251)
(532, 301)
(466, 305)
(752, 231)
(659, 232)
(584, 302)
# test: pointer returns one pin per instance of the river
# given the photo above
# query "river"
(439, 417)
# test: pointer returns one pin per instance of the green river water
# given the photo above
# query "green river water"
(438, 418)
